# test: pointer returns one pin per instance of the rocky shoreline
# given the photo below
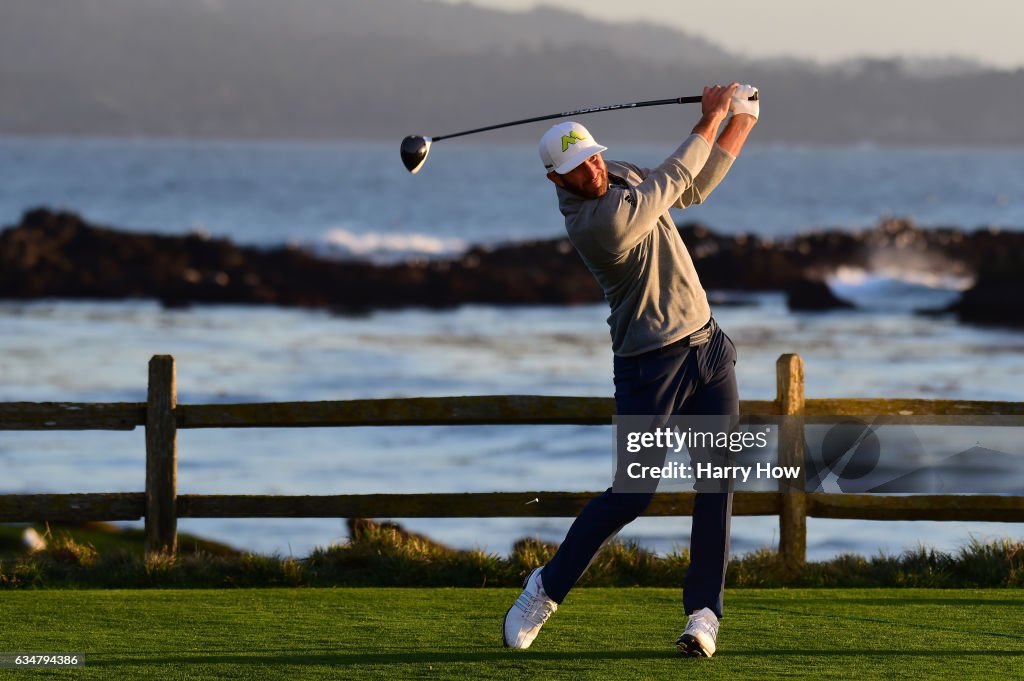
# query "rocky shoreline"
(60, 255)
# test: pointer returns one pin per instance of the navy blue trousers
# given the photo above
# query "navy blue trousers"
(676, 380)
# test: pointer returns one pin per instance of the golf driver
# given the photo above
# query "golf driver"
(415, 148)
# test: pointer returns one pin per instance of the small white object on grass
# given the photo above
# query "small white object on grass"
(32, 540)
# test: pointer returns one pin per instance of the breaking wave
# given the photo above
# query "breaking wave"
(898, 289)
(340, 243)
(859, 277)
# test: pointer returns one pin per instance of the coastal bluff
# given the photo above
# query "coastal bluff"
(54, 254)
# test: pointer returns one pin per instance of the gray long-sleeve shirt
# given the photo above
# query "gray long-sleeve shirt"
(632, 246)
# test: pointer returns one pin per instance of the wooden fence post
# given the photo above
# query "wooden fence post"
(161, 458)
(789, 371)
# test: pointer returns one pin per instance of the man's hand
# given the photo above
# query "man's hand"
(742, 104)
(717, 99)
(745, 113)
(714, 106)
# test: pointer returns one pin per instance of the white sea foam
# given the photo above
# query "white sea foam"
(899, 288)
(343, 243)
(856, 277)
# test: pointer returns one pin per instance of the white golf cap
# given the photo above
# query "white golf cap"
(566, 145)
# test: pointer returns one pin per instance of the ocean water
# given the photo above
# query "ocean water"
(357, 199)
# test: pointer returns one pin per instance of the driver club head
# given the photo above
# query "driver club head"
(414, 152)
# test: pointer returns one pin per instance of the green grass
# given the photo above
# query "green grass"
(598, 633)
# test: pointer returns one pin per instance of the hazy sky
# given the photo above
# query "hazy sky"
(827, 30)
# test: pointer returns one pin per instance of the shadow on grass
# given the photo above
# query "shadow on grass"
(897, 623)
(836, 597)
(385, 658)
(869, 652)
(499, 656)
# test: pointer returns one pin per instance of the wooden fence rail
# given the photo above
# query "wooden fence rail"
(161, 416)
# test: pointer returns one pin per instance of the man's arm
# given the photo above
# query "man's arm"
(735, 134)
(627, 223)
(726, 149)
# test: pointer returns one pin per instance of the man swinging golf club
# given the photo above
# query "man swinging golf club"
(670, 357)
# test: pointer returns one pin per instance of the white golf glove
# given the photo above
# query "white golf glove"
(742, 104)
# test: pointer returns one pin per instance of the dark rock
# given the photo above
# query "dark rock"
(997, 297)
(53, 254)
(812, 295)
(60, 255)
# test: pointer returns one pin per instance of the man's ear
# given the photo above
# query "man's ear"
(557, 179)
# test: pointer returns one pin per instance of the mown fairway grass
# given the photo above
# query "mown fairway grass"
(624, 633)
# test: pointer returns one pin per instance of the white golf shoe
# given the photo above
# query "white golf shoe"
(528, 614)
(698, 640)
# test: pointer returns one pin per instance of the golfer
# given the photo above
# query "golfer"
(670, 357)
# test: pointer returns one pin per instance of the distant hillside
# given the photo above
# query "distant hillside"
(384, 69)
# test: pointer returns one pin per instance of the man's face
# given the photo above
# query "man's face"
(588, 180)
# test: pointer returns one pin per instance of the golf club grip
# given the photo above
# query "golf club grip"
(577, 112)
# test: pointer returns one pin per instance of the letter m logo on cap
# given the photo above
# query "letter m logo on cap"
(570, 139)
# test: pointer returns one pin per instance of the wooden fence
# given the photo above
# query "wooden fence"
(162, 416)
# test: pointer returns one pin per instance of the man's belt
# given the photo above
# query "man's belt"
(698, 337)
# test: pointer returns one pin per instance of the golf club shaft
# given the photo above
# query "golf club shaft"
(577, 112)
